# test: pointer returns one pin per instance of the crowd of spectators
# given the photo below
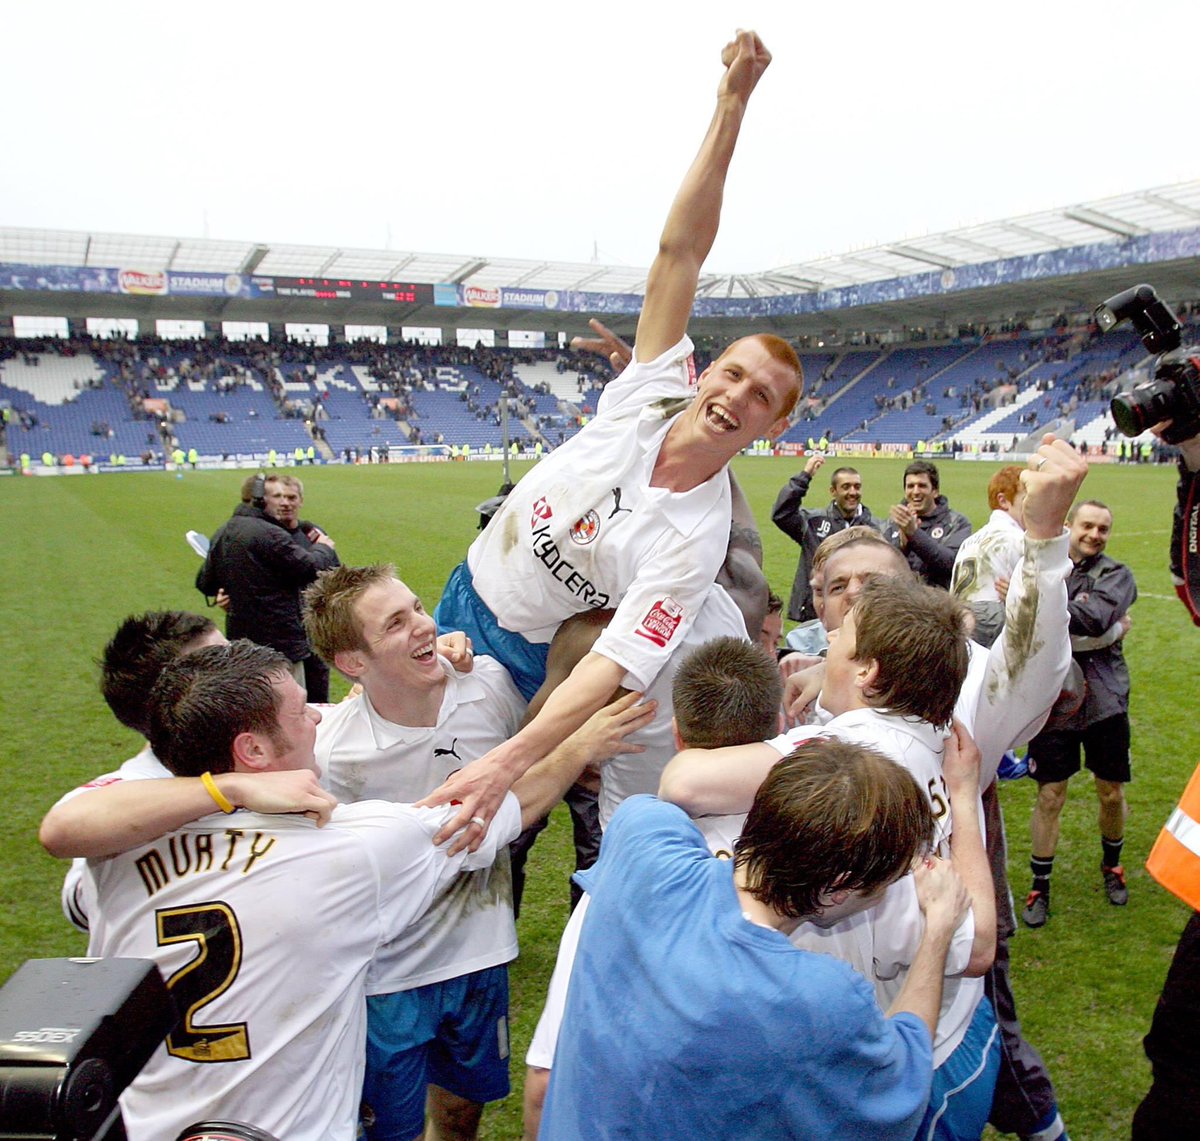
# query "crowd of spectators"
(143, 366)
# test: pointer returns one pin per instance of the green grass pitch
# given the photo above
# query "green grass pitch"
(80, 553)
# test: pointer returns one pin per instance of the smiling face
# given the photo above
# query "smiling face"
(744, 395)
(919, 493)
(1091, 526)
(846, 490)
(400, 638)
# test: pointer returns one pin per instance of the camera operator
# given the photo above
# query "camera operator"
(1171, 1106)
(1185, 556)
(1169, 405)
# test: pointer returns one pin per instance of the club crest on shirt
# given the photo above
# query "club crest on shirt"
(541, 512)
(937, 532)
(661, 621)
(584, 530)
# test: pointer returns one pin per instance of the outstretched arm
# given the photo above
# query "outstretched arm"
(695, 215)
(1027, 663)
(600, 737)
(478, 788)
(707, 782)
(128, 813)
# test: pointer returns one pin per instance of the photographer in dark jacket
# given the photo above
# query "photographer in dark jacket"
(262, 558)
(925, 527)
(1172, 1106)
(811, 528)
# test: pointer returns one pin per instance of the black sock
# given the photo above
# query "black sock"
(1112, 851)
(1041, 866)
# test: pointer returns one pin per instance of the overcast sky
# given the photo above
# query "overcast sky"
(560, 131)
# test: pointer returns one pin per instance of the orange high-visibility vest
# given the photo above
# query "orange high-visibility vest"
(1175, 858)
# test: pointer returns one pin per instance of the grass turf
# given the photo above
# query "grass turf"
(82, 552)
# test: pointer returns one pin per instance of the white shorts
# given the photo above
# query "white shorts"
(545, 1037)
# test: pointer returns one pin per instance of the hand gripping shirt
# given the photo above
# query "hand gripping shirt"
(263, 927)
(585, 530)
(363, 756)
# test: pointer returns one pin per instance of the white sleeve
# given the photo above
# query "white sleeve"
(788, 742)
(1007, 702)
(660, 605)
(412, 872)
(78, 894)
(642, 382)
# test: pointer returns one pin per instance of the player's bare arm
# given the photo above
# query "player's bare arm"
(113, 818)
(478, 788)
(601, 736)
(691, 226)
(707, 782)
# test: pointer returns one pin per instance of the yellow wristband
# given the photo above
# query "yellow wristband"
(223, 802)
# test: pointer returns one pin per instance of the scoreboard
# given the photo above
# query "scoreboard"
(354, 289)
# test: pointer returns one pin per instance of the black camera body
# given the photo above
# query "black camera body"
(1174, 391)
(73, 1034)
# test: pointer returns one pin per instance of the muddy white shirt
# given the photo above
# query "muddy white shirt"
(990, 553)
(363, 756)
(585, 530)
(264, 927)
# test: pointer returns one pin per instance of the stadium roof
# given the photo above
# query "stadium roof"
(1129, 215)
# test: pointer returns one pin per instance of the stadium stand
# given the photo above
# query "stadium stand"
(240, 400)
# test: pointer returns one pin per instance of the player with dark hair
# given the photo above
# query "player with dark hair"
(925, 527)
(291, 1041)
(142, 647)
(136, 654)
